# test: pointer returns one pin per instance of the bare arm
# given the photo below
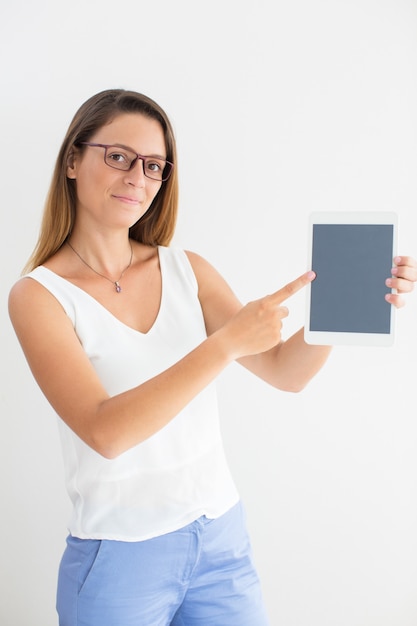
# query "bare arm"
(112, 425)
(250, 334)
(288, 365)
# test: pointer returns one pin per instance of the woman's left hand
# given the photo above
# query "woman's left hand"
(404, 275)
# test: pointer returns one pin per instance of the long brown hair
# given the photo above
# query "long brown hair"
(156, 226)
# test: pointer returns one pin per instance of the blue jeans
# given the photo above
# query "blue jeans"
(200, 575)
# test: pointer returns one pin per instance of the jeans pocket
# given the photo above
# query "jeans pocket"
(89, 562)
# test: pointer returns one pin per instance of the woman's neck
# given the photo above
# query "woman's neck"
(108, 255)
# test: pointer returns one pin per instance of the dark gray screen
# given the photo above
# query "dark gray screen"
(352, 262)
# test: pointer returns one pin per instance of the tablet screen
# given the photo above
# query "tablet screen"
(347, 298)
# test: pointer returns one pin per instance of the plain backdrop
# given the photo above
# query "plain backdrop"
(280, 107)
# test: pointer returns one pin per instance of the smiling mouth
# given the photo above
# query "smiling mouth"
(127, 199)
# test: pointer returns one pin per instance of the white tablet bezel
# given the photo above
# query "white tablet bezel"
(348, 338)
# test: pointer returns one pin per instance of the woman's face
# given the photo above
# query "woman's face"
(109, 197)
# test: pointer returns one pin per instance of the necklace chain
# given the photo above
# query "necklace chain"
(115, 282)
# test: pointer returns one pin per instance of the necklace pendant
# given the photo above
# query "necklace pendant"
(118, 288)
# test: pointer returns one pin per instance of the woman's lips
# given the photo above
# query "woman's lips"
(127, 199)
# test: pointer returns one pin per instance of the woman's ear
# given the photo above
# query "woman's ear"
(71, 164)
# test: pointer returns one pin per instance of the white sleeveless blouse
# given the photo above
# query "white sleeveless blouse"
(179, 473)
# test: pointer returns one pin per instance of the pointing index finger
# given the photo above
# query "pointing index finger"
(292, 287)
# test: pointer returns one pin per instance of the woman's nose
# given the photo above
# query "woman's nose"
(136, 175)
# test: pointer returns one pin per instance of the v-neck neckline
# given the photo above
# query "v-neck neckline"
(108, 312)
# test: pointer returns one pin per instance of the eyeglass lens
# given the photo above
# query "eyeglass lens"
(123, 159)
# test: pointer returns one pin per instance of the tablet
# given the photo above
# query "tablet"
(352, 255)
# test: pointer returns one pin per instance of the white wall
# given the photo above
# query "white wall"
(327, 92)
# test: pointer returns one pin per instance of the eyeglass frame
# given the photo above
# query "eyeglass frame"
(139, 157)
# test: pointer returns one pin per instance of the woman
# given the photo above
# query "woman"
(126, 337)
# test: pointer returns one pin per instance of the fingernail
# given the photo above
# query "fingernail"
(388, 282)
(311, 275)
(397, 260)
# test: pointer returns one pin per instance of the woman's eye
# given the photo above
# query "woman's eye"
(154, 167)
(118, 157)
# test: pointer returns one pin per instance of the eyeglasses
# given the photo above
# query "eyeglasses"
(121, 158)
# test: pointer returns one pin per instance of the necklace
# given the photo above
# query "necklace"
(115, 282)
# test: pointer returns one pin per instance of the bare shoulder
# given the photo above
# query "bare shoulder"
(27, 296)
(197, 261)
(34, 311)
(205, 272)
(217, 299)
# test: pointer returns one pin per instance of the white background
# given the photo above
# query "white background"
(323, 94)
